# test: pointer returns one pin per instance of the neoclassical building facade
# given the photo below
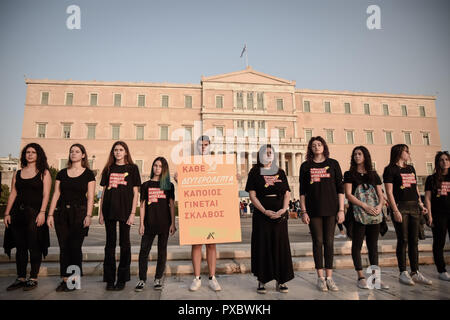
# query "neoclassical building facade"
(238, 110)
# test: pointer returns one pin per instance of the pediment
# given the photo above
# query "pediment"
(248, 76)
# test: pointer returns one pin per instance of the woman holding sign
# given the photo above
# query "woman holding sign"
(403, 195)
(270, 193)
(157, 218)
(120, 181)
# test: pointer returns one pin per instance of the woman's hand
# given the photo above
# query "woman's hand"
(305, 218)
(40, 220)
(424, 210)
(130, 220)
(378, 210)
(398, 217)
(7, 220)
(340, 216)
(87, 221)
(430, 221)
(141, 229)
(271, 214)
(100, 218)
(369, 210)
(50, 222)
(172, 229)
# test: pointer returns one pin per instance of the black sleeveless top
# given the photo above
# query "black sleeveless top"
(29, 191)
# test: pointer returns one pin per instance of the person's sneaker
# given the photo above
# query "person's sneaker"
(340, 236)
(214, 285)
(331, 285)
(405, 278)
(61, 286)
(30, 285)
(444, 276)
(110, 286)
(16, 285)
(420, 278)
(140, 286)
(322, 284)
(119, 286)
(383, 285)
(157, 284)
(283, 288)
(362, 284)
(196, 284)
(261, 288)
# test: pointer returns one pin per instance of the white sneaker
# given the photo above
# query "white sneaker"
(362, 284)
(214, 285)
(331, 285)
(322, 284)
(405, 278)
(340, 236)
(196, 284)
(420, 278)
(383, 285)
(444, 276)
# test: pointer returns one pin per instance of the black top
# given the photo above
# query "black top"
(29, 191)
(267, 184)
(73, 190)
(440, 198)
(157, 209)
(404, 182)
(361, 178)
(118, 195)
(320, 183)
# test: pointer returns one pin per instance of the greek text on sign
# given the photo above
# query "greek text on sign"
(117, 178)
(408, 179)
(318, 173)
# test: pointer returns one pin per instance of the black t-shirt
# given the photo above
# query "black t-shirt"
(440, 197)
(321, 183)
(361, 178)
(268, 184)
(404, 182)
(73, 190)
(118, 194)
(157, 209)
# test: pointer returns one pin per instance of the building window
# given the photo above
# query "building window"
(139, 164)
(308, 135)
(388, 137)
(327, 107)
(240, 128)
(426, 138)
(260, 100)
(165, 101)
(250, 100)
(139, 132)
(188, 101)
(279, 104)
(422, 111)
(404, 110)
(115, 131)
(66, 130)
(93, 99)
(281, 133)
(187, 133)
(366, 108)
(44, 98)
(408, 138)
(349, 135)
(239, 100)
(91, 131)
(63, 164)
(369, 137)
(306, 106)
(117, 100)
(261, 128)
(251, 128)
(429, 168)
(219, 131)
(69, 99)
(164, 132)
(347, 108)
(141, 100)
(385, 109)
(41, 130)
(219, 102)
(330, 136)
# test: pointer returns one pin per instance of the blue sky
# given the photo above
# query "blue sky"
(321, 44)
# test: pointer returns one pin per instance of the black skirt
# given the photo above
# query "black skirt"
(270, 248)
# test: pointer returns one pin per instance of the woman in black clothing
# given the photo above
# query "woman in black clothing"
(322, 203)
(363, 190)
(270, 193)
(120, 181)
(157, 218)
(25, 215)
(404, 199)
(437, 201)
(71, 211)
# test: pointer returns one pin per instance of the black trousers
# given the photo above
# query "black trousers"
(109, 264)
(322, 232)
(441, 227)
(70, 232)
(146, 245)
(408, 235)
(371, 232)
(25, 232)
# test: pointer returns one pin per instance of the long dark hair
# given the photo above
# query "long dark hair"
(41, 160)
(112, 159)
(84, 161)
(262, 150)
(396, 153)
(367, 164)
(164, 178)
(439, 172)
(310, 154)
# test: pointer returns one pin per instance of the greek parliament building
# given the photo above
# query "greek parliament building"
(248, 105)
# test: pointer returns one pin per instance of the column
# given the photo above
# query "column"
(250, 161)
(293, 165)
(282, 166)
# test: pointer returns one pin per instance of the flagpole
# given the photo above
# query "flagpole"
(246, 57)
